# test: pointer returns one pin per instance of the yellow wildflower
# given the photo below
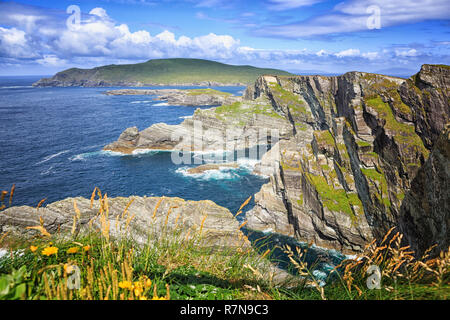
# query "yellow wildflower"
(33, 248)
(148, 283)
(159, 298)
(138, 289)
(49, 251)
(73, 250)
(126, 285)
(87, 248)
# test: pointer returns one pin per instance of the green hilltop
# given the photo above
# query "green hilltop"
(160, 71)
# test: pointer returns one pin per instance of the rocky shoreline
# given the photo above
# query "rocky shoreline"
(56, 82)
(186, 97)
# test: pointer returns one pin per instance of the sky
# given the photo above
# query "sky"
(300, 36)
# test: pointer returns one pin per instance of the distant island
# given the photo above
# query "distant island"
(159, 72)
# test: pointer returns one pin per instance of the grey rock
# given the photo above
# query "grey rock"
(175, 218)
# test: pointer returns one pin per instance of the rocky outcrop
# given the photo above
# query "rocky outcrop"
(359, 141)
(145, 219)
(206, 167)
(175, 97)
(242, 124)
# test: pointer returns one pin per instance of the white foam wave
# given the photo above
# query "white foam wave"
(223, 173)
(141, 101)
(144, 151)
(245, 166)
(137, 152)
(47, 172)
(161, 104)
(84, 156)
(15, 87)
(47, 158)
(247, 163)
(185, 117)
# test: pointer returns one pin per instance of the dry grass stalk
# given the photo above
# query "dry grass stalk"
(40, 203)
(243, 205)
(11, 194)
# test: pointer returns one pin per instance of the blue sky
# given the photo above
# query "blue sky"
(301, 36)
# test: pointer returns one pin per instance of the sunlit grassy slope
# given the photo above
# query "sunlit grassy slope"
(171, 71)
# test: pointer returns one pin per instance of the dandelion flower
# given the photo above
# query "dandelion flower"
(87, 248)
(50, 251)
(148, 283)
(33, 248)
(73, 250)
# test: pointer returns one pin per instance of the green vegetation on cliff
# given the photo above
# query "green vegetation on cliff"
(241, 111)
(404, 133)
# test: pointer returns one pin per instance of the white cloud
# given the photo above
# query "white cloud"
(99, 12)
(406, 53)
(352, 15)
(14, 44)
(371, 55)
(100, 40)
(51, 60)
(280, 5)
(348, 53)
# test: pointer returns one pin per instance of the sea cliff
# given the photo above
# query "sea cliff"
(348, 159)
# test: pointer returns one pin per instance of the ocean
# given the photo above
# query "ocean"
(51, 142)
(51, 147)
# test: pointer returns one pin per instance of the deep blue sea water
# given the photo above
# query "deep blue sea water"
(51, 142)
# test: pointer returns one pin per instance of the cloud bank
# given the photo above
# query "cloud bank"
(32, 35)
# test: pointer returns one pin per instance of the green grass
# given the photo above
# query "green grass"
(171, 71)
(184, 271)
(404, 133)
(197, 92)
(297, 107)
(335, 199)
(325, 137)
(190, 272)
(379, 180)
(243, 111)
(171, 266)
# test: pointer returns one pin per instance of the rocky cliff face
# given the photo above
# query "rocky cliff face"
(358, 143)
(350, 148)
(425, 212)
